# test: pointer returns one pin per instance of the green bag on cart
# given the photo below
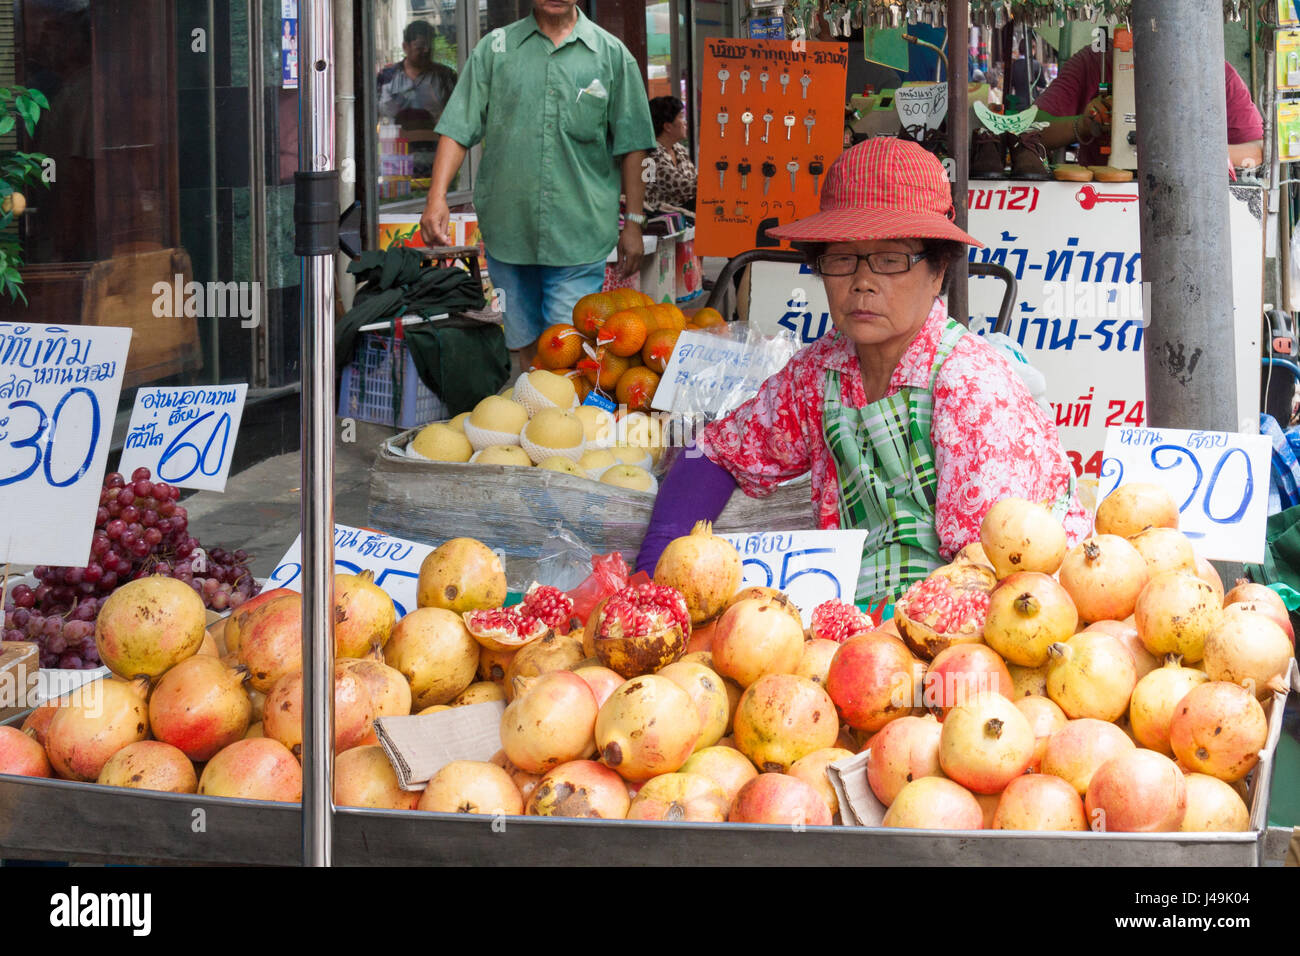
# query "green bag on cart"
(1280, 569)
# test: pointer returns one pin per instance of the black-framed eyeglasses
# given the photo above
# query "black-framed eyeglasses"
(881, 263)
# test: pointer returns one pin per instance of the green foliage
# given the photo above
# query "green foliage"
(18, 169)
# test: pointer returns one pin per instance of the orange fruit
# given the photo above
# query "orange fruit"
(625, 298)
(623, 332)
(707, 318)
(591, 310)
(560, 346)
(670, 317)
(658, 348)
(605, 369)
(636, 388)
(579, 379)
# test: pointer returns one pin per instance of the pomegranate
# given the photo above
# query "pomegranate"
(962, 671)
(1039, 801)
(1104, 576)
(37, 723)
(1143, 660)
(1206, 572)
(1028, 681)
(672, 797)
(270, 644)
(641, 629)
(836, 621)
(353, 711)
(22, 755)
(1151, 708)
(492, 665)
(525, 782)
(905, 750)
(364, 777)
(948, 607)
(258, 702)
(150, 765)
(504, 628)
(974, 553)
(754, 638)
(768, 595)
(550, 723)
(1137, 792)
(1091, 675)
(647, 727)
(986, 743)
(258, 768)
(390, 694)
(782, 718)
(583, 789)
(1020, 535)
(472, 786)
(1219, 729)
(481, 693)
(199, 707)
(1165, 549)
(1247, 648)
(1027, 614)
(431, 648)
(704, 568)
(779, 799)
(461, 575)
(602, 681)
(101, 719)
(148, 625)
(1174, 613)
(232, 626)
(734, 693)
(1134, 507)
(1045, 718)
(208, 646)
(255, 730)
(1213, 807)
(589, 629)
(872, 681)
(701, 638)
(549, 605)
(364, 615)
(707, 694)
(816, 661)
(1076, 750)
(725, 766)
(811, 769)
(1245, 591)
(554, 652)
(1267, 610)
(935, 803)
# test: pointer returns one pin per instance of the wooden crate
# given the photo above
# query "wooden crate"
(19, 667)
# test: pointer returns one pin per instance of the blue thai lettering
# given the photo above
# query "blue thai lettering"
(1099, 274)
(1060, 260)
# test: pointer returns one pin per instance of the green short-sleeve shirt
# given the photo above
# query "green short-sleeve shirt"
(553, 122)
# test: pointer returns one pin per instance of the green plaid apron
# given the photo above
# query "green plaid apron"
(885, 462)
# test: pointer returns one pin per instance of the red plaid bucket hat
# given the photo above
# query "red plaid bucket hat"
(882, 188)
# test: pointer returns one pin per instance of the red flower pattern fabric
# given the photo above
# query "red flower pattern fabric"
(991, 440)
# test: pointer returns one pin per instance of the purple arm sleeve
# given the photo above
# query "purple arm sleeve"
(695, 489)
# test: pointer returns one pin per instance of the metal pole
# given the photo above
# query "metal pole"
(1190, 353)
(316, 190)
(959, 145)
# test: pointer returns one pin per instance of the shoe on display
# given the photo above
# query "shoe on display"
(988, 155)
(931, 140)
(1029, 157)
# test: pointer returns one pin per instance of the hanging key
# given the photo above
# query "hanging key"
(805, 81)
(744, 80)
(769, 170)
(815, 169)
(767, 125)
(724, 74)
(744, 169)
(784, 80)
(762, 80)
(789, 122)
(722, 124)
(809, 123)
(721, 167)
(746, 118)
(793, 167)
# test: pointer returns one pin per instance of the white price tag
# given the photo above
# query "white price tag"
(185, 436)
(1218, 479)
(695, 352)
(394, 561)
(922, 105)
(809, 566)
(58, 394)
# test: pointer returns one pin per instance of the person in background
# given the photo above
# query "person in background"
(1026, 74)
(675, 175)
(413, 92)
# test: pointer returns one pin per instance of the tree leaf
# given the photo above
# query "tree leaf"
(6, 124)
(39, 98)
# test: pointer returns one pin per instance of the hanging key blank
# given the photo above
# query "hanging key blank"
(744, 169)
(769, 170)
(724, 74)
(809, 123)
(744, 80)
(722, 124)
(805, 81)
(721, 167)
(789, 122)
(746, 118)
(793, 167)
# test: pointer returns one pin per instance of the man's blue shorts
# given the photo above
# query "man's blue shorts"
(540, 296)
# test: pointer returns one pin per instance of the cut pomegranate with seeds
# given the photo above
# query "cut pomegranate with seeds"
(549, 605)
(504, 628)
(836, 621)
(641, 629)
(948, 607)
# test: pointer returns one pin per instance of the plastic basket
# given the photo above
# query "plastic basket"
(366, 391)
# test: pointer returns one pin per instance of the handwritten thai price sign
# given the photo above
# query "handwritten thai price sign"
(394, 561)
(1219, 480)
(185, 436)
(58, 394)
(924, 105)
(695, 352)
(809, 566)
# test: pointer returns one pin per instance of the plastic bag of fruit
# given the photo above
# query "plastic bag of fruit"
(609, 573)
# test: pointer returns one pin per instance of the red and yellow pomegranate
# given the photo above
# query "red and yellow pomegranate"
(1137, 792)
(641, 629)
(432, 649)
(583, 789)
(704, 568)
(1028, 681)
(986, 743)
(673, 797)
(471, 786)
(962, 671)
(1165, 549)
(150, 765)
(1134, 507)
(364, 777)
(757, 637)
(725, 766)
(1174, 613)
(905, 750)
(1045, 718)
(1246, 592)
(460, 575)
(1247, 648)
(1206, 572)
(270, 643)
(1028, 613)
(22, 755)
(258, 768)
(550, 723)
(481, 693)
(1143, 660)
(364, 615)
(554, 652)
(1104, 576)
(525, 782)
(836, 621)
(781, 799)
(1019, 535)
(1076, 750)
(935, 803)
(232, 626)
(492, 665)
(102, 718)
(390, 694)
(647, 727)
(1213, 807)
(815, 663)
(604, 681)
(1219, 729)
(1282, 620)
(200, 707)
(948, 607)
(1091, 675)
(782, 718)
(353, 711)
(1039, 801)
(148, 625)
(1156, 696)
(707, 694)
(811, 769)
(872, 680)
(37, 723)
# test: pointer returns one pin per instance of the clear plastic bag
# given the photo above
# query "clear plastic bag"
(722, 388)
(564, 561)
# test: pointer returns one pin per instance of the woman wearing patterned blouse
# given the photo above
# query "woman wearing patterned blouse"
(911, 427)
(674, 179)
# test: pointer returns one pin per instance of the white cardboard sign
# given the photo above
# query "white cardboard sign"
(921, 105)
(58, 394)
(185, 436)
(394, 561)
(809, 566)
(695, 352)
(1219, 480)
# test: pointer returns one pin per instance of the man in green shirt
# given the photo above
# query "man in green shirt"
(562, 113)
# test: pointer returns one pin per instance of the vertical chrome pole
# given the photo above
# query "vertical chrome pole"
(959, 146)
(315, 208)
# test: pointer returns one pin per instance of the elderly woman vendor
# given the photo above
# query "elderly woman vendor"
(911, 427)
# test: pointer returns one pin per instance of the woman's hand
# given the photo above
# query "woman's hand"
(1094, 121)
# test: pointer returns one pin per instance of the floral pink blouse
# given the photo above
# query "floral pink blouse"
(991, 440)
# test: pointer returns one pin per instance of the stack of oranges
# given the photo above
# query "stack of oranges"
(619, 343)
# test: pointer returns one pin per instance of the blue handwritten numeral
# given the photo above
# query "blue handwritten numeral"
(787, 577)
(1178, 451)
(1245, 498)
(31, 441)
(44, 452)
(1118, 471)
(201, 457)
(762, 566)
(291, 572)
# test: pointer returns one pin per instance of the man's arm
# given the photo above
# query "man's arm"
(631, 247)
(436, 216)
(1246, 154)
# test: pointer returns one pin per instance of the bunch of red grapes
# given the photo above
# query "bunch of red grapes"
(139, 530)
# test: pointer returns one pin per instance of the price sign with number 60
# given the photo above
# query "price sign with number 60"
(58, 394)
(185, 436)
(809, 566)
